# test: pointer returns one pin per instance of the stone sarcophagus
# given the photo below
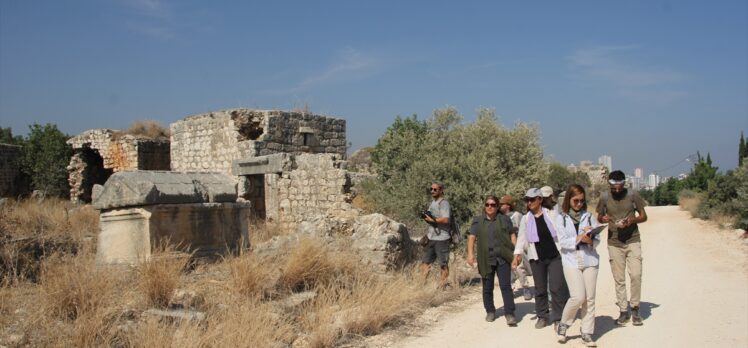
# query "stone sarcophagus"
(195, 212)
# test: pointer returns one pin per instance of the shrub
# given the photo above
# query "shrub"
(472, 160)
(45, 159)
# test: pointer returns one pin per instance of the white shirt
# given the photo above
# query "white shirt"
(586, 256)
(523, 245)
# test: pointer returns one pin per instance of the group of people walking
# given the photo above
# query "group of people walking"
(555, 244)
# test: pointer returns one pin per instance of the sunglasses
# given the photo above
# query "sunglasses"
(490, 205)
(577, 201)
(434, 189)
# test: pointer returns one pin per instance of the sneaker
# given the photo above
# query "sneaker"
(588, 341)
(527, 294)
(636, 319)
(623, 318)
(541, 323)
(490, 316)
(561, 333)
(511, 320)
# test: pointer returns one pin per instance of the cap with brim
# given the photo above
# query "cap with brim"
(532, 193)
(546, 191)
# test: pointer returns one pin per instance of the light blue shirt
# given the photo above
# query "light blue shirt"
(586, 256)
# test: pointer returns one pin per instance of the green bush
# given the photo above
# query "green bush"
(45, 159)
(471, 159)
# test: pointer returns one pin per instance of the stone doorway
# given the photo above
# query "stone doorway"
(256, 195)
(86, 170)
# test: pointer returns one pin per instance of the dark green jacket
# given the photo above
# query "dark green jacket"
(503, 236)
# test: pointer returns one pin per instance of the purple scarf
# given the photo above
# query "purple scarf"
(532, 229)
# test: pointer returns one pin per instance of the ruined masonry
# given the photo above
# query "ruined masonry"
(212, 141)
(100, 152)
(9, 169)
(196, 212)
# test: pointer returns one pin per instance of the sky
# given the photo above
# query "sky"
(648, 83)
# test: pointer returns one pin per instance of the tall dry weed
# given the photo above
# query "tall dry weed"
(159, 277)
(689, 201)
(254, 276)
(73, 286)
(263, 231)
(312, 262)
(251, 323)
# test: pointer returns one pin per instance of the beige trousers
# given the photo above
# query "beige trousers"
(582, 284)
(522, 273)
(629, 256)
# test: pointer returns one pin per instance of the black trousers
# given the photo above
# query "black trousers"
(504, 272)
(548, 275)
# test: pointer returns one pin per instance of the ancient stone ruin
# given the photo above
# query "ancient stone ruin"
(213, 140)
(9, 170)
(196, 212)
(100, 152)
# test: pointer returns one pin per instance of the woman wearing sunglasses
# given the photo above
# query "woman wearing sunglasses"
(537, 238)
(580, 262)
(493, 231)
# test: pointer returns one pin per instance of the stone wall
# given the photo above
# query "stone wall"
(212, 141)
(9, 169)
(100, 152)
(317, 184)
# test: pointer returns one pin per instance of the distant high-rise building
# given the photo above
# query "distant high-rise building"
(653, 181)
(638, 173)
(606, 161)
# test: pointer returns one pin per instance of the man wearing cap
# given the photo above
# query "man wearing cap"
(549, 201)
(622, 210)
(506, 206)
(538, 238)
(437, 248)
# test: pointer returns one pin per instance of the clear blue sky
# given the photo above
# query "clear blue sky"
(646, 82)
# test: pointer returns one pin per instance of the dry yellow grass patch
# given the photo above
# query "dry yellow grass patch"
(254, 276)
(148, 129)
(159, 277)
(689, 204)
(311, 262)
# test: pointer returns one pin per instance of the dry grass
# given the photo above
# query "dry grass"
(147, 129)
(311, 262)
(264, 231)
(159, 277)
(309, 295)
(723, 220)
(689, 203)
(253, 276)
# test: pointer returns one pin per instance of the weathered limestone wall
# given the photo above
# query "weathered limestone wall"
(9, 169)
(213, 140)
(318, 184)
(100, 152)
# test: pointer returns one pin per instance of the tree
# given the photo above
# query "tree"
(6, 137)
(559, 177)
(45, 158)
(472, 160)
(701, 173)
(742, 150)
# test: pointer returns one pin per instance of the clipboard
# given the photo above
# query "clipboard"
(595, 231)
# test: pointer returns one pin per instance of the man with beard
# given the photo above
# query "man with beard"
(622, 210)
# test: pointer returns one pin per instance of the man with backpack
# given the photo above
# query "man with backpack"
(437, 247)
(623, 210)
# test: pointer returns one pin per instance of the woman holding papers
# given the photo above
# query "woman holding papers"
(578, 236)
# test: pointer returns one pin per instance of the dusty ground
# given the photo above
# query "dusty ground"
(694, 294)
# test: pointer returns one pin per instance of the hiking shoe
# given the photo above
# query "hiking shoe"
(561, 333)
(636, 319)
(541, 323)
(527, 294)
(588, 341)
(511, 320)
(623, 318)
(491, 316)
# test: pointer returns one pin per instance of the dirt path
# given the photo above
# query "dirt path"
(694, 294)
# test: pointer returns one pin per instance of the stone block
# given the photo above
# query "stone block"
(141, 188)
(127, 236)
(275, 163)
